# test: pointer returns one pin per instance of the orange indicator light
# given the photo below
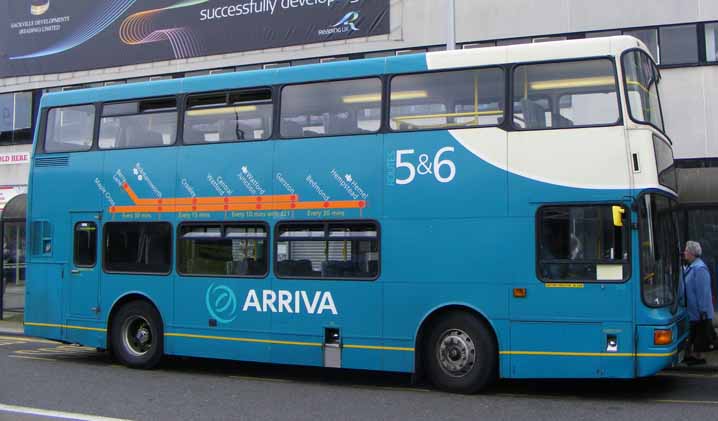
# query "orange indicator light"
(662, 337)
(520, 292)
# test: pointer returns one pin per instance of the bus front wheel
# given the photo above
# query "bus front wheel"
(137, 335)
(460, 354)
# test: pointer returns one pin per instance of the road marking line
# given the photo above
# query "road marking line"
(54, 414)
(32, 358)
(27, 340)
(686, 402)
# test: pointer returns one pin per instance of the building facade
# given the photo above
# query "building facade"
(682, 34)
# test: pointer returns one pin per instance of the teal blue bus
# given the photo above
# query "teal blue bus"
(463, 216)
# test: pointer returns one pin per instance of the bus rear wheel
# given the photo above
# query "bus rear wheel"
(137, 335)
(460, 354)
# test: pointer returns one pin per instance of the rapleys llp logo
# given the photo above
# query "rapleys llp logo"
(39, 7)
(221, 303)
(346, 24)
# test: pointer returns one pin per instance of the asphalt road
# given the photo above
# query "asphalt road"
(80, 383)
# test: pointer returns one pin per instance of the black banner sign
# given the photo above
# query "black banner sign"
(53, 36)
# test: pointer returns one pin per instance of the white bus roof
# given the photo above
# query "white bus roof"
(545, 51)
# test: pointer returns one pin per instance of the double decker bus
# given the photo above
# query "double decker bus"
(462, 215)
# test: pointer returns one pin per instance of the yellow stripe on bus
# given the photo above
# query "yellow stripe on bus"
(95, 329)
(588, 354)
(276, 342)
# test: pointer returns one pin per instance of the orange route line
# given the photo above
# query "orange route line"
(207, 200)
(230, 203)
(339, 204)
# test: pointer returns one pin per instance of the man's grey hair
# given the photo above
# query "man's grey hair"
(694, 247)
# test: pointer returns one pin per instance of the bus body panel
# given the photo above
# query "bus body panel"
(456, 213)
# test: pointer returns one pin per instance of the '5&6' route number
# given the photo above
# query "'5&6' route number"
(424, 167)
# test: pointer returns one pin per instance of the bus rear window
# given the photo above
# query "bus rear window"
(464, 98)
(566, 94)
(327, 250)
(139, 124)
(228, 117)
(331, 108)
(70, 129)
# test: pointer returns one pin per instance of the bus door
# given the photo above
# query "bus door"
(575, 318)
(83, 274)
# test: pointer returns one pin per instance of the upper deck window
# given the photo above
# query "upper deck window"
(642, 79)
(565, 94)
(446, 100)
(232, 117)
(138, 124)
(69, 129)
(331, 108)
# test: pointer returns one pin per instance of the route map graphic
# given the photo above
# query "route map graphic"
(228, 203)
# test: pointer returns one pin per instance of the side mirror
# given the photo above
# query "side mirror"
(618, 213)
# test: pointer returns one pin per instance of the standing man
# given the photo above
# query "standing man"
(700, 302)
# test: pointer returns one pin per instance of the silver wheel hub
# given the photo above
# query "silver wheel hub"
(456, 353)
(137, 335)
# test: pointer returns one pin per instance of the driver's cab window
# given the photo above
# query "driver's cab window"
(583, 243)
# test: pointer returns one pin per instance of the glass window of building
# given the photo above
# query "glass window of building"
(228, 117)
(69, 129)
(138, 124)
(454, 99)
(514, 41)
(565, 94)
(548, 39)
(649, 37)
(679, 44)
(711, 42)
(331, 108)
(601, 34)
(473, 45)
(15, 117)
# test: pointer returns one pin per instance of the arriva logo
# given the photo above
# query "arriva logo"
(288, 302)
(346, 24)
(221, 303)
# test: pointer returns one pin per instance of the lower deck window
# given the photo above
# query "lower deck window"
(582, 243)
(347, 250)
(138, 247)
(222, 250)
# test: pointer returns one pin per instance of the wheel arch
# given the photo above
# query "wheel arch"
(436, 314)
(121, 301)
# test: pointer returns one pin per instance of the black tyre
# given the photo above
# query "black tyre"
(137, 336)
(460, 354)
